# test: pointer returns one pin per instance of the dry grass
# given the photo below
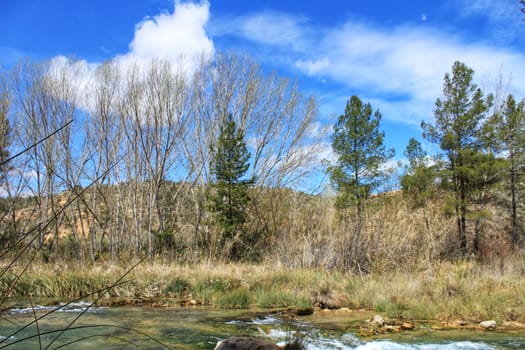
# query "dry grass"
(404, 267)
(463, 290)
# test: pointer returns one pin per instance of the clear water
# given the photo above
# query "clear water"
(173, 328)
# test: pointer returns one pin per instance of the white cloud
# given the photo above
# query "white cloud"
(402, 68)
(407, 61)
(177, 37)
(172, 36)
(268, 27)
(313, 67)
(326, 153)
(317, 131)
(504, 17)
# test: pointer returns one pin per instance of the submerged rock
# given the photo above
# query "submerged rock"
(246, 343)
(298, 311)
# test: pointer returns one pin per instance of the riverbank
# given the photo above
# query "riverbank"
(446, 294)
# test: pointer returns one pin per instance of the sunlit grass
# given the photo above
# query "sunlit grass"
(234, 299)
(462, 290)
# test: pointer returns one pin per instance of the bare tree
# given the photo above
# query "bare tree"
(103, 136)
(63, 90)
(34, 120)
(161, 133)
(276, 119)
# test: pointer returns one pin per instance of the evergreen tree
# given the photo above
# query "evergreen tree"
(482, 171)
(230, 197)
(358, 143)
(457, 130)
(418, 181)
(507, 133)
(419, 185)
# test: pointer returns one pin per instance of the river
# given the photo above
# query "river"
(141, 327)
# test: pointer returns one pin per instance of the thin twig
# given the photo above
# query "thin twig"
(55, 216)
(129, 329)
(60, 308)
(36, 324)
(97, 299)
(78, 340)
(36, 143)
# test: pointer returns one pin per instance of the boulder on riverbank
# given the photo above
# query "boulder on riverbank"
(488, 324)
(251, 343)
(328, 299)
(246, 343)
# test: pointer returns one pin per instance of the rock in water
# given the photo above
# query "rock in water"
(246, 343)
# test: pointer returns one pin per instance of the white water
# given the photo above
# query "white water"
(313, 340)
(202, 328)
(71, 307)
(350, 342)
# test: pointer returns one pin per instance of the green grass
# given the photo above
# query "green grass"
(279, 298)
(235, 299)
(449, 291)
(177, 287)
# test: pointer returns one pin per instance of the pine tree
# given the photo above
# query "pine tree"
(358, 143)
(507, 131)
(419, 185)
(230, 197)
(418, 181)
(457, 130)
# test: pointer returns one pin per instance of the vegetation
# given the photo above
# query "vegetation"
(506, 133)
(5, 132)
(444, 292)
(457, 131)
(164, 170)
(155, 167)
(230, 197)
(132, 155)
(358, 143)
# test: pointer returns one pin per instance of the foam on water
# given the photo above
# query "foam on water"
(268, 320)
(351, 342)
(72, 307)
(316, 341)
(460, 345)
(328, 344)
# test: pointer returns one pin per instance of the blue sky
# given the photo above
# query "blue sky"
(391, 53)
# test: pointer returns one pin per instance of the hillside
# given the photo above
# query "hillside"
(285, 227)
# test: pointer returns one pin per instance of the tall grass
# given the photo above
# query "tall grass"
(462, 290)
